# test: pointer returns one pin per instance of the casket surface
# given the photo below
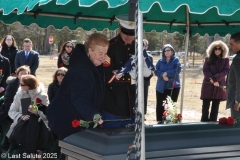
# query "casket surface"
(177, 141)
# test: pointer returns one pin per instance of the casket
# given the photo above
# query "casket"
(163, 142)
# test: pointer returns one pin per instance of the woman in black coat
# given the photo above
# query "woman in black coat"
(11, 90)
(81, 92)
(9, 50)
(57, 80)
(65, 54)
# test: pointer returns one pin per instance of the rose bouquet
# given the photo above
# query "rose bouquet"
(228, 121)
(171, 114)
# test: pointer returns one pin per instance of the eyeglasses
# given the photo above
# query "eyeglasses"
(61, 74)
(167, 50)
(217, 49)
(9, 39)
(22, 84)
(69, 46)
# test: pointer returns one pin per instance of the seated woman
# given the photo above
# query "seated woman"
(81, 92)
(58, 76)
(11, 90)
(36, 128)
(57, 80)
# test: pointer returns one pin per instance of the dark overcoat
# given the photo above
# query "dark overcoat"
(119, 96)
(233, 82)
(217, 72)
(79, 96)
(10, 53)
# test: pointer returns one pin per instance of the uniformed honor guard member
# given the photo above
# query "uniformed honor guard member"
(120, 92)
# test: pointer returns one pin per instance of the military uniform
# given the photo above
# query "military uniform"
(119, 97)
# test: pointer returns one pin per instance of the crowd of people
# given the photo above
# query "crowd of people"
(87, 83)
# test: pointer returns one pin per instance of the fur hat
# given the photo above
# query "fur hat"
(220, 44)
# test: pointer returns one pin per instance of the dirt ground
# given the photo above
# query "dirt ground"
(192, 88)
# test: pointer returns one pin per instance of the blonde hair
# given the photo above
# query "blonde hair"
(96, 39)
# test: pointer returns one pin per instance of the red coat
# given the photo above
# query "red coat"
(217, 72)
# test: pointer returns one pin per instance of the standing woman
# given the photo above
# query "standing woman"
(4, 72)
(215, 69)
(167, 70)
(9, 50)
(65, 54)
(57, 80)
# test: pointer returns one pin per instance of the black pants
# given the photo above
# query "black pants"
(161, 97)
(214, 110)
(36, 135)
(146, 86)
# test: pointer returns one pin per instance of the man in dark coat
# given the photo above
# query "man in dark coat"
(80, 94)
(119, 97)
(147, 73)
(27, 57)
(233, 78)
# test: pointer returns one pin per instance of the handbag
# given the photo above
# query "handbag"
(18, 134)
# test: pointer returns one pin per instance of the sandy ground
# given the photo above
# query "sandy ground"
(192, 88)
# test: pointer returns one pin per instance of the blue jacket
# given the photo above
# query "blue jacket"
(173, 69)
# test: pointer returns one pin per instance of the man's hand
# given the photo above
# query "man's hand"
(236, 106)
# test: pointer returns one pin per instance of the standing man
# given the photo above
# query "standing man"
(233, 78)
(27, 57)
(147, 73)
(119, 96)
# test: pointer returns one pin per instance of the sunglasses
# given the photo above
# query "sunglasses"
(22, 84)
(61, 74)
(167, 50)
(69, 46)
(217, 49)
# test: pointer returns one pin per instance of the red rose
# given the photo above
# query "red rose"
(230, 120)
(165, 113)
(76, 123)
(61, 64)
(179, 116)
(175, 84)
(223, 120)
(38, 100)
(15, 75)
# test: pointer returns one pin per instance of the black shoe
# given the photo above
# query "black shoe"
(159, 122)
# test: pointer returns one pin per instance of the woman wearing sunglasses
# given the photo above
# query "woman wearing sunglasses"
(65, 54)
(35, 126)
(167, 70)
(57, 80)
(215, 69)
